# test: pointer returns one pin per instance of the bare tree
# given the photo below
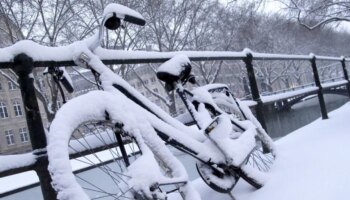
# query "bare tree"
(316, 13)
(43, 22)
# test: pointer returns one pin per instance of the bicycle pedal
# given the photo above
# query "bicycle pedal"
(219, 180)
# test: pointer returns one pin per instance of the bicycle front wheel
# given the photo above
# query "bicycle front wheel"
(100, 153)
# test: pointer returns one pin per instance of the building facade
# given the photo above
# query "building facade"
(14, 136)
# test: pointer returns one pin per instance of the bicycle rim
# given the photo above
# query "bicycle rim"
(100, 160)
(260, 160)
(255, 169)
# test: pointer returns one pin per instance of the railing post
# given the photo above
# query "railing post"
(318, 84)
(23, 66)
(248, 60)
(346, 76)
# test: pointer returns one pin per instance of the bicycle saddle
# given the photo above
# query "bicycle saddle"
(178, 68)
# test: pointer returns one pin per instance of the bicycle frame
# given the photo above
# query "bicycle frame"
(175, 132)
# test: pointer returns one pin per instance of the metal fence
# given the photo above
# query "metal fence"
(23, 64)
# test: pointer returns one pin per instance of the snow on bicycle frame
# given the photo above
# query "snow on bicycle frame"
(143, 120)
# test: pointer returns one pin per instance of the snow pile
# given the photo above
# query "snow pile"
(312, 164)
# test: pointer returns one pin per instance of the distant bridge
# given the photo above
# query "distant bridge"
(285, 99)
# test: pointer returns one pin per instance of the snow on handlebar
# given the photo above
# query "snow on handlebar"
(113, 14)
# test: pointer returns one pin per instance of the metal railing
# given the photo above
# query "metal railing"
(24, 63)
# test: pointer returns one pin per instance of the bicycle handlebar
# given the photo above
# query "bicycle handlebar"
(113, 14)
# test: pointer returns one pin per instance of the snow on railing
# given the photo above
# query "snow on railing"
(334, 84)
(16, 161)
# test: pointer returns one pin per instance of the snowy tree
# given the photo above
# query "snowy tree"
(317, 13)
(43, 22)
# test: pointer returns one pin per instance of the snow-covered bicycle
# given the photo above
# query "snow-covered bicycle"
(121, 135)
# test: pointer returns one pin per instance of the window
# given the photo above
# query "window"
(10, 139)
(12, 86)
(155, 90)
(153, 79)
(3, 110)
(0, 86)
(23, 134)
(145, 82)
(17, 108)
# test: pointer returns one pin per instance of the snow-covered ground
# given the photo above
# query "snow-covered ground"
(313, 164)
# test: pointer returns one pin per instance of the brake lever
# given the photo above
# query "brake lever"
(58, 75)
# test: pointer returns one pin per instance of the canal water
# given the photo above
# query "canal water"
(278, 124)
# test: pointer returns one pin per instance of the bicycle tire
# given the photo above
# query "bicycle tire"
(104, 161)
(93, 141)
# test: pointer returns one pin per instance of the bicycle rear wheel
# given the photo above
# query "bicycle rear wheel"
(255, 169)
(259, 162)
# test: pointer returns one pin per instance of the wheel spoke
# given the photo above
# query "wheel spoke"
(94, 145)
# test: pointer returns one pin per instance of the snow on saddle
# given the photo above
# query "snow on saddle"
(178, 68)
